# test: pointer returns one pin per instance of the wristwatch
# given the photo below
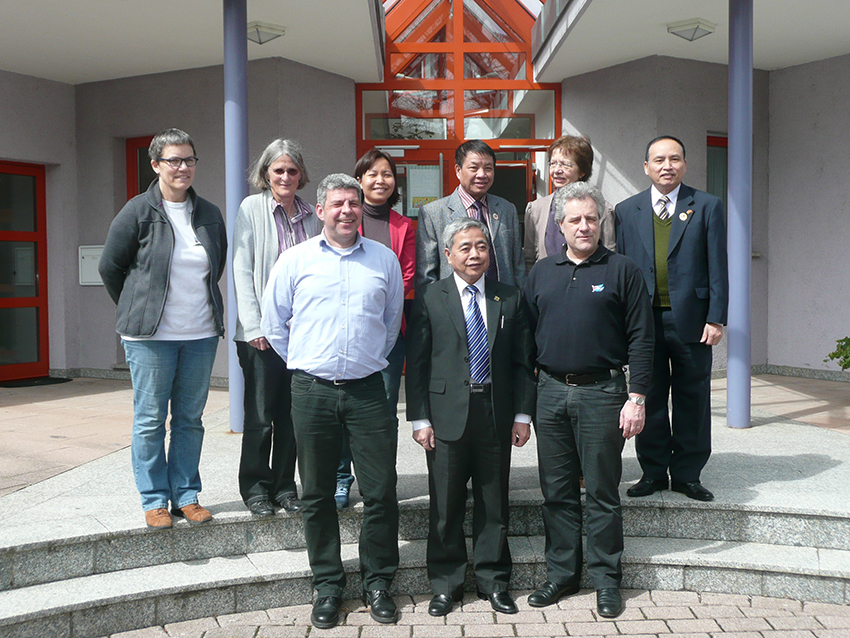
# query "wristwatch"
(637, 400)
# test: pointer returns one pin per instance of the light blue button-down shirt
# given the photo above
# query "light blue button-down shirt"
(334, 312)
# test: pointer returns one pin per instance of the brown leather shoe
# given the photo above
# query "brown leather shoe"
(158, 519)
(193, 513)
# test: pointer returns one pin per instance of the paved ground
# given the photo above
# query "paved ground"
(648, 614)
(65, 428)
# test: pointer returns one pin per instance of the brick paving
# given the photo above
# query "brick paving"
(648, 614)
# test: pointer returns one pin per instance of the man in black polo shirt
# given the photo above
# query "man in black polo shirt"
(591, 316)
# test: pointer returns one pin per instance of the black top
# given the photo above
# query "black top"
(591, 317)
(376, 223)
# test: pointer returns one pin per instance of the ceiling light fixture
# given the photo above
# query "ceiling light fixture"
(691, 30)
(262, 32)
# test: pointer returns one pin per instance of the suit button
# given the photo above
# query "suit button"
(651, 270)
(466, 382)
(466, 359)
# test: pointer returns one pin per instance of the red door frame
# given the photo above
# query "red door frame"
(40, 368)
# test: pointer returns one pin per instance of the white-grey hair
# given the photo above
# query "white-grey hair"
(577, 190)
(258, 174)
(460, 225)
(335, 181)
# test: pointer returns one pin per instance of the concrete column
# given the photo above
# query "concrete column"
(235, 165)
(740, 211)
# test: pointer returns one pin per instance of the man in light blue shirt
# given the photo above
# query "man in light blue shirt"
(332, 310)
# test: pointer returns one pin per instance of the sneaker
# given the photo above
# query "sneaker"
(341, 495)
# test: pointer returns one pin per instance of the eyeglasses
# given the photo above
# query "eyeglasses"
(564, 165)
(175, 162)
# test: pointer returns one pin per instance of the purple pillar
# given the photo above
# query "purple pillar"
(235, 165)
(740, 211)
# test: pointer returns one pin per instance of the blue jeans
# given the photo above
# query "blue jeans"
(392, 382)
(179, 372)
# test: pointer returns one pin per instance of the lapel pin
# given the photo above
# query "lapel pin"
(684, 216)
(495, 215)
(496, 298)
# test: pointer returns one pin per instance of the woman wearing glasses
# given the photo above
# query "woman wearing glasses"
(570, 160)
(268, 223)
(161, 263)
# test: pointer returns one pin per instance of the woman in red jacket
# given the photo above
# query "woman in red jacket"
(376, 173)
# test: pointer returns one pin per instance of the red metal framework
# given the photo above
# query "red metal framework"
(18, 240)
(450, 62)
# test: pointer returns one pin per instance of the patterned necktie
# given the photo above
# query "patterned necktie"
(476, 336)
(478, 215)
(663, 212)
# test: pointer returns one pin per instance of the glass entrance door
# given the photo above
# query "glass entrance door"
(23, 272)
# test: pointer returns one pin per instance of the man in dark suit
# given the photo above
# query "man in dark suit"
(677, 236)
(470, 394)
(475, 165)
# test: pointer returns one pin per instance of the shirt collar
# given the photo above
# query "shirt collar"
(358, 243)
(468, 200)
(655, 195)
(302, 209)
(461, 284)
(596, 257)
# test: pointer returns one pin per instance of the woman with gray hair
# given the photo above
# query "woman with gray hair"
(163, 257)
(267, 224)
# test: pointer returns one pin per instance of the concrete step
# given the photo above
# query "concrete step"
(100, 604)
(63, 553)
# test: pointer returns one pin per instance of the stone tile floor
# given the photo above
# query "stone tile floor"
(648, 614)
(47, 430)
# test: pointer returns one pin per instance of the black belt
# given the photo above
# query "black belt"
(336, 382)
(480, 388)
(584, 379)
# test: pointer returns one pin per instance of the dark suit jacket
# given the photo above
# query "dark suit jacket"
(431, 262)
(437, 381)
(696, 260)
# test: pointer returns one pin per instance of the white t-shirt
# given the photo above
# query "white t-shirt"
(188, 311)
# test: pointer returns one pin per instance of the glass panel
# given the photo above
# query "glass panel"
(17, 203)
(408, 115)
(146, 172)
(18, 335)
(432, 25)
(18, 269)
(482, 24)
(494, 66)
(421, 66)
(507, 114)
(717, 172)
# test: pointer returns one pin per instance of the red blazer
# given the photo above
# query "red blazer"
(403, 240)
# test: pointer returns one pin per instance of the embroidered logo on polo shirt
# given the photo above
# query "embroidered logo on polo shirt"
(597, 288)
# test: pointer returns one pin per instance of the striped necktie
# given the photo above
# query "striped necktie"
(476, 336)
(663, 212)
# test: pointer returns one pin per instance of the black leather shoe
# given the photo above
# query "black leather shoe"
(645, 487)
(609, 602)
(693, 490)
(500, 601)
(381, 606)
(550, 593)
(261, 508)
(326, 612)
(440, 605)
(289, 502)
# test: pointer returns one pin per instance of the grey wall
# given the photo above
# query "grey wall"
(620, 108)
(809, 236)
(38, 128)
(286, 99)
